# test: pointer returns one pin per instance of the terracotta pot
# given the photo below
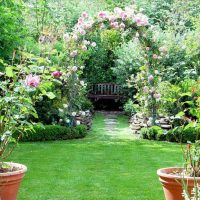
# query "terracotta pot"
(173, 184)
(10, 182)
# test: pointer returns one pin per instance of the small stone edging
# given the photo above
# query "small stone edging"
(139, 121)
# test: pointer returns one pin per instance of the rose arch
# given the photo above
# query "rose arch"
(132, 25)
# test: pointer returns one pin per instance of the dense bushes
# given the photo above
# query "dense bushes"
(54, 132)
(178, 134)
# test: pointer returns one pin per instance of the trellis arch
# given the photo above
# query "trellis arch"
(132, 24)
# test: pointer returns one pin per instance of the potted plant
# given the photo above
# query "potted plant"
(16, 107)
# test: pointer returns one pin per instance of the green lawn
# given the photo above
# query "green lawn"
(97, 167)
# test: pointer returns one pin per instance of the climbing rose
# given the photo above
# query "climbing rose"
(56, 74)
(82, 31)
(146, 89)
(74, 53)
(150, 78)
(123, 15)
(122, 25)
(114, 25)
(73, 114)
(155, 56)
(141, 20)
(163, 49)
(93, 44)
(102, 14)
(32, 81)
(84, 14)
(78, 122)
(157, 96)
(84, 47)
(74, 68)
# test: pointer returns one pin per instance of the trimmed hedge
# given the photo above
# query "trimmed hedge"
(53, 132)
(177, 134)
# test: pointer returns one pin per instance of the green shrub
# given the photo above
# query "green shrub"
(53, 132)
(152, 133)
(130, 107)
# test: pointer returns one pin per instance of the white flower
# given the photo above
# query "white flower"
(74, 68)
(78, 122)
(73, 114)
(82, 67)
(75, 37)
(82, 83)
(61, 110)
(83, 113)
(67, 121)
(93, 44)
(66, 37)
(65, 105)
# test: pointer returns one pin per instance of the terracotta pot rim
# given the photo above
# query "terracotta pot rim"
(162, 173)
(22, 169)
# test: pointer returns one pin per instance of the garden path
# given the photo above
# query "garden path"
(114, 128)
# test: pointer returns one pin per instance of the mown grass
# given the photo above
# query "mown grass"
(95, 168)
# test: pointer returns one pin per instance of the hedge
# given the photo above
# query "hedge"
(53, 132)
(177, 134)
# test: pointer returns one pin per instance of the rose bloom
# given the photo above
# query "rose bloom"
(74, 53)
(163, 49)
(155, 56)
(102, 14)
(75, 37)
(78, 122)
(123, 15)
(74, 68)
(115, 25)
(112, 18)
(73, 114)
(86, 42)
(150, 78)
(32, 81)
(82, 31)
(157, 96)
(146, 89)
(84, 47)
(84, 15)
(147, 48)
(56, 74)
(141, 20)
(122, 25)
(82, 83)
(93, 44)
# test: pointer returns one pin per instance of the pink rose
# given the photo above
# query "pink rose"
(84, 15)
(112, 18)
(141, 20)
(102, 14)
(56, 74)
(114, 25)
(32, 81)
(123, 15)
(82, 31)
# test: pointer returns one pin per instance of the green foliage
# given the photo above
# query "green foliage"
(130, 107)
(53, 132)
(12, 27)
(152, 133)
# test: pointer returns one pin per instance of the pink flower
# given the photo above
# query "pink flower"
(80, 21)
(93, 44)
(102, 14)
(112, 18)
(82, 31)
(123, 15)
(150, 78)
(32, 81)
(74, 53)
(84, 15)
(114, 25)
(56, 74)
(141, 20)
